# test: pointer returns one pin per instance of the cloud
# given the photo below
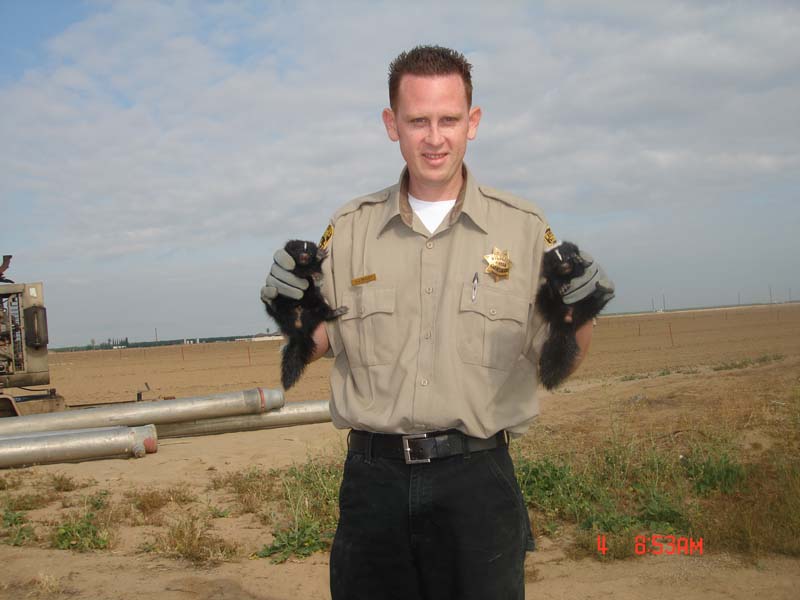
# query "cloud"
(163, 133)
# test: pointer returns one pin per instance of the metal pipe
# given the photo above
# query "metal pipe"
(294, 413)
(252, 401)
(81, 445)
(16, 436)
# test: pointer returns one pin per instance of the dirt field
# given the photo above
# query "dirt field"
(654, 372)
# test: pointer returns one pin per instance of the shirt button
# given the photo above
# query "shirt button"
(428, 335)
(492, 312)
(428, 290)
(429, 245)
(424, 382)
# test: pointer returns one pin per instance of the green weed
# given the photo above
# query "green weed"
(11, 518)
(747, 362)
(553, 488)
(307, 509)
(659, 511)
(623, 487)
(311, 491)
(81, 532)
(768, 358)
(301, 539)
(303, 502)
(98, 501)
(218, 513)
(711, 472)
(634, 377)
(735, 364)
(15, 530)
(19, 535)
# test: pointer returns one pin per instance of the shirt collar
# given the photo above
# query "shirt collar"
(470, 201)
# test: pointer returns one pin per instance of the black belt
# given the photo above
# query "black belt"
(421, 447)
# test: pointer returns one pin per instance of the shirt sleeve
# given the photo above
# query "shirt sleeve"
(538, 329)
(329, 293)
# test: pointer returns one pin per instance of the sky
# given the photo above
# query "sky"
(153, 155)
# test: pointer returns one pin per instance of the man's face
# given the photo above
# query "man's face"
(432, 122)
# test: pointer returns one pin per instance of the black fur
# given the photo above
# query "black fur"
(560, 265)
(298, 319)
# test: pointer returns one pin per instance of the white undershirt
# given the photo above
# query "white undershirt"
(430, 213)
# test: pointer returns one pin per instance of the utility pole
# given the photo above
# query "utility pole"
(653, 302)
(770, 294)
(739, 301)
(664, 302)
(156, 333)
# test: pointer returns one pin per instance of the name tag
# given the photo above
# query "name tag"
(364, 279)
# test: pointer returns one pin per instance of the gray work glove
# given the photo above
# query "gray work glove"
(594, 281)
(280, 281)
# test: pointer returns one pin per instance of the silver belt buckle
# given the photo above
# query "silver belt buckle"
(407, 449)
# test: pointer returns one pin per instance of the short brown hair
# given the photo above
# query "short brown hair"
(429, 61)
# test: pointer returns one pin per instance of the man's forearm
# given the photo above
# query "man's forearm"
(321, 343)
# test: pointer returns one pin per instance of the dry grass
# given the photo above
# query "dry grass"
(701, 481)
(29, 501)
(763, 516)
(48, 585)
(254, 489)
(10, 481)
(145, 506)
(610, 461)
(190, 537)
(40, 586)
(64, 483)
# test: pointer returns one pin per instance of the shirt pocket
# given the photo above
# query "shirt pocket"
(491, 329)
(369, 328)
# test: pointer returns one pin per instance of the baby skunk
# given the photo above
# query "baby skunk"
(298, 319)
(561, 264)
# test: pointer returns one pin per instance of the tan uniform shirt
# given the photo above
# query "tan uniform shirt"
(422, 348)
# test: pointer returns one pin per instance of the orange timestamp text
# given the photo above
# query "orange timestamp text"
(659, 544)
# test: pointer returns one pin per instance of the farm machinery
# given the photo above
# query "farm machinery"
(23, 348)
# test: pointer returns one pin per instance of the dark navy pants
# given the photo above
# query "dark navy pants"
(455, 528)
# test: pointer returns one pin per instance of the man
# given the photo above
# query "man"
(436, 359)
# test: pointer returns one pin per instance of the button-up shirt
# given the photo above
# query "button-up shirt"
(434, 339)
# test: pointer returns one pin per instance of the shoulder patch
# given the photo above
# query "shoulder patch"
(549, 238)
(326, 238)
(511, 200)
(354, 205)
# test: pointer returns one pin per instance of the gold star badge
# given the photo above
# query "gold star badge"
(499, 263)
